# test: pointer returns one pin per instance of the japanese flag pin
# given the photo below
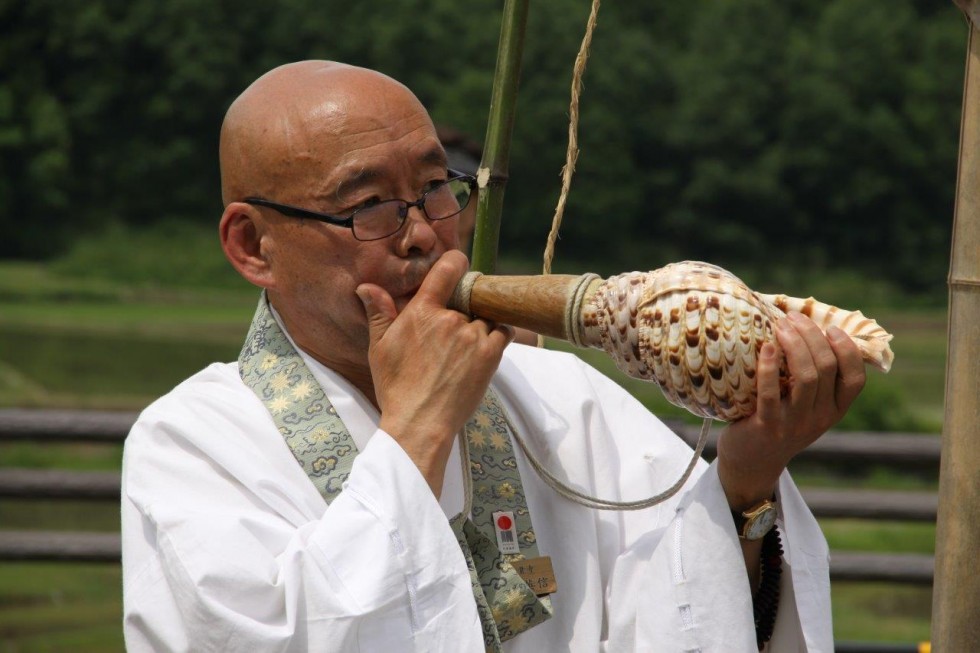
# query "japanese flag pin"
(506, 528)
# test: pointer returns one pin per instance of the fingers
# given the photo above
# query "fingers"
(767, 385)
(812, 362)
(438, 287)
(850, 368)
(828, 372)
(502, 335)
(441, 280)
(485, 326)
(497, 336)
(379, 308)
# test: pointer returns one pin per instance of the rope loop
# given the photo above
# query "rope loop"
(574, 307)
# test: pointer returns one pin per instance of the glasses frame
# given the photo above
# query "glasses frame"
(348, 222)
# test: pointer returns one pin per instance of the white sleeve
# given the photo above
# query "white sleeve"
(687, 584)
(219, 555)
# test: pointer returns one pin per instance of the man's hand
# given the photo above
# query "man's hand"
(826, 374)
(430, 365)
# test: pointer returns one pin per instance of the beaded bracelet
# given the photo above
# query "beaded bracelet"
(765, 602)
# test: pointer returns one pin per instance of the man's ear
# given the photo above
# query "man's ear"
(242, 231)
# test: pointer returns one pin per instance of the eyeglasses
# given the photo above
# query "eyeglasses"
(443, 200)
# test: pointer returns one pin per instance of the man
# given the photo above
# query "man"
(417, 543)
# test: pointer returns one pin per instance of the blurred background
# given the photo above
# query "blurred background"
(809, 147)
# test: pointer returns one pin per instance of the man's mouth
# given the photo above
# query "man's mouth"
(402, 299)
(411, 280)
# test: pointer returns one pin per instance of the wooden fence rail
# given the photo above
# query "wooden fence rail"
(65, 425)
(918, 453)
(840, 503)
(59, 546)
(907, 451)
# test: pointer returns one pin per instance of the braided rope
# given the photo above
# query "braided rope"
(573, 309)
(571, 154)
(608, 504)
(460, 299)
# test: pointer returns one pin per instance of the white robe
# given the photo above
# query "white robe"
(227, 546)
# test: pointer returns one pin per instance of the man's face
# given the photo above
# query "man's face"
(374, 143)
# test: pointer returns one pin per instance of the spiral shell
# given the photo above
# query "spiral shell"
(696, 330)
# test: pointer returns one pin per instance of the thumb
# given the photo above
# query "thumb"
(379, 308)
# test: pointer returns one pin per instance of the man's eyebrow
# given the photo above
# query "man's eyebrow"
(355, 180)
(351, 182)
(435, 156)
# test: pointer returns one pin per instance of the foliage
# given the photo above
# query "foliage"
(882, 406)
(821, 135)
(167, 253)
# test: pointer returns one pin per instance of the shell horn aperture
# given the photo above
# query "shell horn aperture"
(693, 328)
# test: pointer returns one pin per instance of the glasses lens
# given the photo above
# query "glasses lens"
(379, 220)
(462, 190)
(439, 203)
(447, 199)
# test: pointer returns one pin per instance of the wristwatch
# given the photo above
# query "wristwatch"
(754, 523)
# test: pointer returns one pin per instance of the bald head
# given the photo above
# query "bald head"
(278, 134)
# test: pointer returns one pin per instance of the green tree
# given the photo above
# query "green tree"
(748, 133)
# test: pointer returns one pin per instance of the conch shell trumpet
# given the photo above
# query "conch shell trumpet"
(691, 327)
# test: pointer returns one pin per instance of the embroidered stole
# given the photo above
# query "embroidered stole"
(323, 447)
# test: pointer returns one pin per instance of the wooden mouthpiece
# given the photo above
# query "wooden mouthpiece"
(541, 303)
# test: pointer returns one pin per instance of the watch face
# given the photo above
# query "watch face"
(760, 525)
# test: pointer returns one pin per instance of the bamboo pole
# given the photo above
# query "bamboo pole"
(493, 171)
(956, 594)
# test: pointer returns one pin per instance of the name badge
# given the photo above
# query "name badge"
(538, 574)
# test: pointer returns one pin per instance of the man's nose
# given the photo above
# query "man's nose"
(417, 234)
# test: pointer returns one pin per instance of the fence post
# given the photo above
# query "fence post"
(956, 595)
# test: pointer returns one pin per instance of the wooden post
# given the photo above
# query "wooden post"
(492, 174)
(956, 593)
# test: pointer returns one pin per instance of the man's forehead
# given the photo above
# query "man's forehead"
(357, 172)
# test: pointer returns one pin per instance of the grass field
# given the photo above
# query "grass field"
(97, 344)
